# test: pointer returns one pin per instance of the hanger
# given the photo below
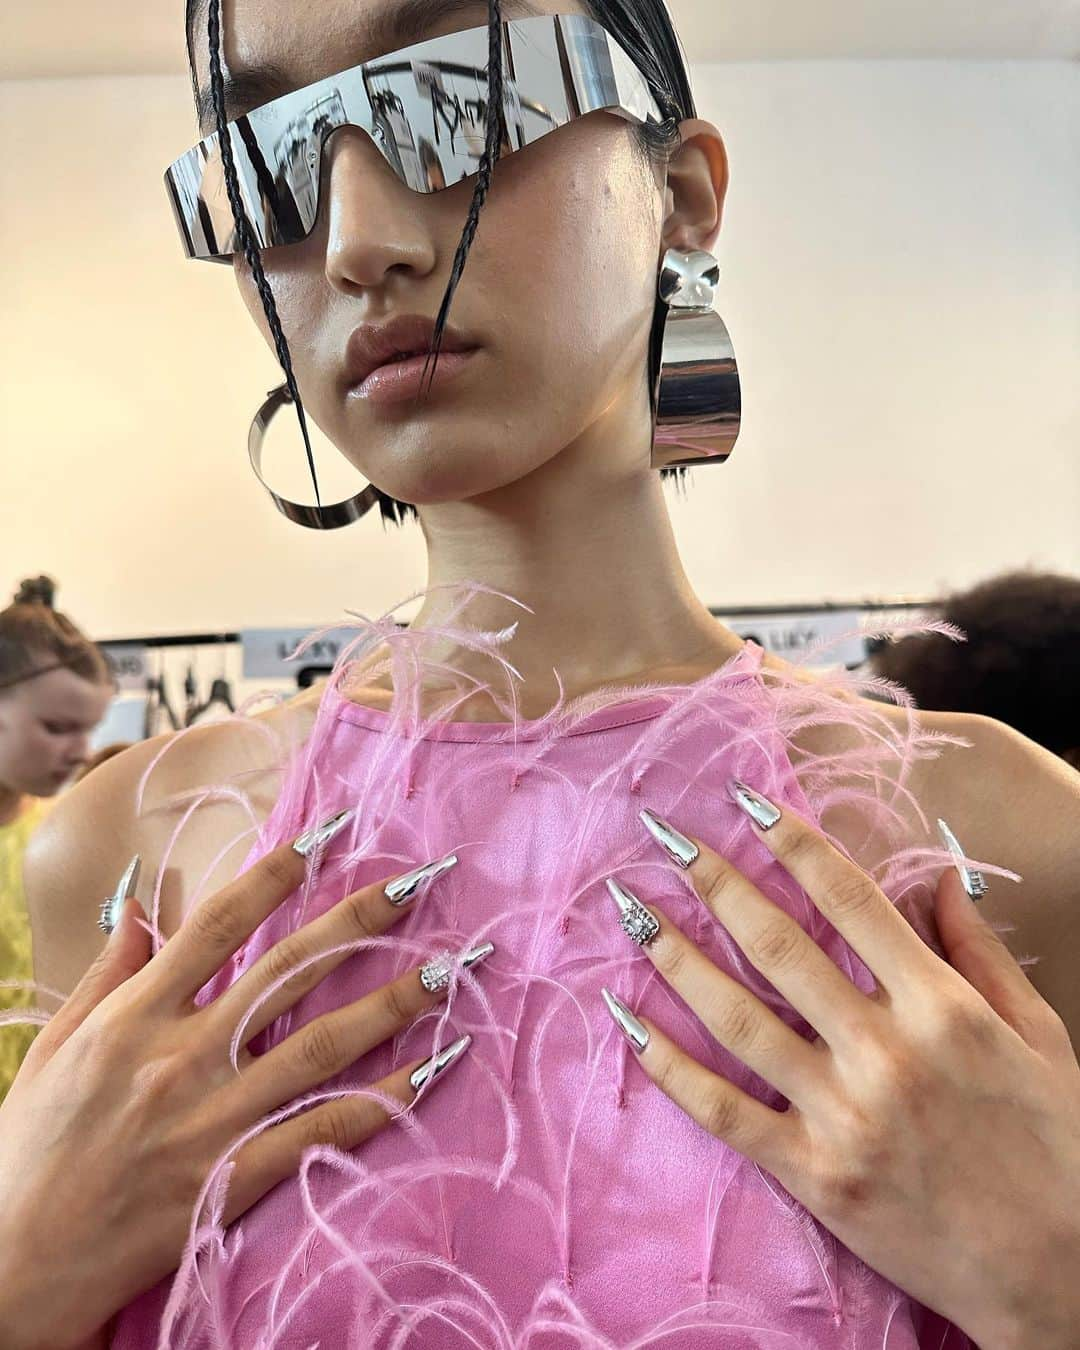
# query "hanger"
(157, 703)
(191, 688)
(220, 692)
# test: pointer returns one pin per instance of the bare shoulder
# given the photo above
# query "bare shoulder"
(1011, 804)
(1014, 804)
(161, 800)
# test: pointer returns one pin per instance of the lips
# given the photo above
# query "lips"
(373, 345)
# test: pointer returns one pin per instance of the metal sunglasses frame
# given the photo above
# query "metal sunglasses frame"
(424, 108)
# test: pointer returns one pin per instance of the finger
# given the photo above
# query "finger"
(982, 958)
(738, 1020)
(771, 1138)
(777, 946)
(330, 1044)
(343, 1124)
(294, 965)
(125, 953)
(214, 929)
(845, 894)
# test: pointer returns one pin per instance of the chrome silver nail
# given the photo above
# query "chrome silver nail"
(109, 914)
(638, 922)
(438, 1064)
(635, 1032)
(971, 878)
(435, 974)
(404, 888)
(680, 849)
(760, 810)
(311, 841)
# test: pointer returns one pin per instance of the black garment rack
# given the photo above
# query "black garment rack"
(721, 611)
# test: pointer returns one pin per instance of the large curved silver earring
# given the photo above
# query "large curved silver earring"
(331, 517)
(697, 397)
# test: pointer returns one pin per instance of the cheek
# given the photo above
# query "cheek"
(294, 300)
(584, 227)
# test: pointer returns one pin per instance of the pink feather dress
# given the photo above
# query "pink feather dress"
(545, 1195)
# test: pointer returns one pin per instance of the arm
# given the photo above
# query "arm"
(75, 860)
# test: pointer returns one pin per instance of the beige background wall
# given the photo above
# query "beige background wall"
(901, 277)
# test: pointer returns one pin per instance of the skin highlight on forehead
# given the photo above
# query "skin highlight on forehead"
(269, 48)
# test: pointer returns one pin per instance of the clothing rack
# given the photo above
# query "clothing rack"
(734, 611)
(172, 640)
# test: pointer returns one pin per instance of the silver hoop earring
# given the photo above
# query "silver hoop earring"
(697, 397)
(331, 517)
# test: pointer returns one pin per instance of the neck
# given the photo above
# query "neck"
(590, 549)
(11, 804)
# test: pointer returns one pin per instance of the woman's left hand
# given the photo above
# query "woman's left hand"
(933, 1126)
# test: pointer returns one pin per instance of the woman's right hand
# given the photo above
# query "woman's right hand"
(128, 1098)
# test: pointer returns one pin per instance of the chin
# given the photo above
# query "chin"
(448, 475)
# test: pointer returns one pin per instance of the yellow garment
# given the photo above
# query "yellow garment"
(15, 954)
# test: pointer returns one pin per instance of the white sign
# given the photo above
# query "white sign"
(127, 661)
(267, 651)
(791, 635)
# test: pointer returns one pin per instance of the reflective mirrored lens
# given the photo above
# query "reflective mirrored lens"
(424, 108)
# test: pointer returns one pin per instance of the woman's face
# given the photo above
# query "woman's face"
(557, 297)
(45, 725)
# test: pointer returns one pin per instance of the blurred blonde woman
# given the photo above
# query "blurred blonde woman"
(54, 689)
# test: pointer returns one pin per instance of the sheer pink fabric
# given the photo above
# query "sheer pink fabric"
(546, 1195)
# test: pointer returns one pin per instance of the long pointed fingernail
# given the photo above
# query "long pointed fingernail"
(311, 841)
(678, 848)
(405, 888)
(111, 909)
(438, 1064)
(635, 1032)
(638, 922)
(971, 878)
(435, 974)
(760, 810)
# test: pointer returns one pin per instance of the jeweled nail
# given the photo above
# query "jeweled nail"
(435, 974)
(312, 840)
(109, 914)
(404, 888)
(760, 810)
(972, 880)
(639, 923)
(635, 1032)
(438, 1063)
(680, 849)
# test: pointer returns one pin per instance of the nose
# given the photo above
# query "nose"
(78, 750)
(375, 224)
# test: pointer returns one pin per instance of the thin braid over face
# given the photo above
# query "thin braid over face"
(492, 147)
(243, 229)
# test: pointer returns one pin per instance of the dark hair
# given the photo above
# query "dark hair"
(1020, 664)
(34, 637)
(642, 28)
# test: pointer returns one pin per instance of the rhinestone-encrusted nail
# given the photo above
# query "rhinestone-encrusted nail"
(639, 923)
(972, 880)
(435, 974)
(109, 913)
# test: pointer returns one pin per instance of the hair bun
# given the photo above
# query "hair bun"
(36, 591)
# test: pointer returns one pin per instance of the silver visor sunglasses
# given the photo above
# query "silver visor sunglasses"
(424, 108)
